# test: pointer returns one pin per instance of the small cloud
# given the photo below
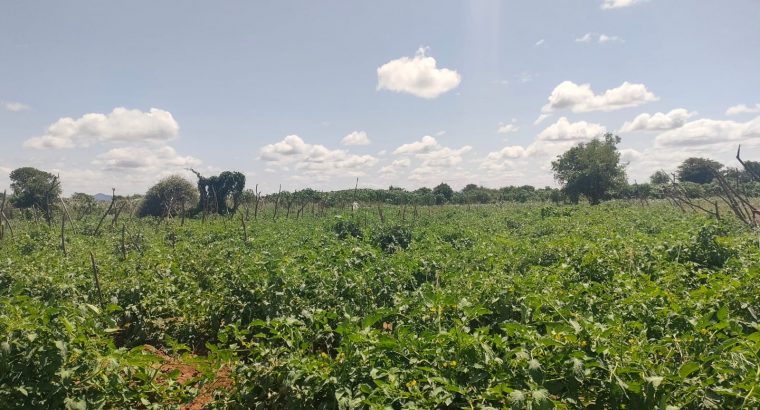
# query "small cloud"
(586, 38)
(15, 106)
(440, 133)
(658, 121)
(356, 138)
(618, 4)
(418, 76)
(426, 144)
(598, 38)
(540, 43)
(743, 109)
(507, 128)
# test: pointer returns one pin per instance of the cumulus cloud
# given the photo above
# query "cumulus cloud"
(144, 159)
(426, 144)
(120, 125)
(356, 138)
(564, 130)
(313, 159)
(581, 98)
(396, 166)
(14, 106)
(704, 132)
(617, 4)
(435, 159)
(743, 109)
(418, 76)
(553, 140)
(659, 121)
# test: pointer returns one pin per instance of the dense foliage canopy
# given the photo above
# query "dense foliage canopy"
(170, 196)
(517, 306)
(698, 170)
(34, 188)
(590, 169)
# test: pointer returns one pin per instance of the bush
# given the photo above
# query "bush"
(392, 238)
(345, 228)
(168, 197)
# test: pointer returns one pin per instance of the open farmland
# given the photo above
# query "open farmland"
(496, 306)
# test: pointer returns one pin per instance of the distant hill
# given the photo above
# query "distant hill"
(102, 197)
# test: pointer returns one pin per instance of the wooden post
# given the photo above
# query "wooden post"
(66, 210)
(353, 201)
(63, 236)
(277, 202)
(256, 206)
(245, 230)
(2, 208)
(97, 281)
(116, 215)
(123, 242)
(113, 201)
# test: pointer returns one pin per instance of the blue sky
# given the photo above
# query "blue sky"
(304, 93)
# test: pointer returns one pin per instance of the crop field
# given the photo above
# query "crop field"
(523, 306)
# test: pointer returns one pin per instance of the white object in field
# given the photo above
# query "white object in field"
(354, 206)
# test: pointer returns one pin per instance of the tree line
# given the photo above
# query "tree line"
(590, 171)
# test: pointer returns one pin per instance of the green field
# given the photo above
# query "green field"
(496, 306)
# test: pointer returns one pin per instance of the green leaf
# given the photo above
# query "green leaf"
(687, 369)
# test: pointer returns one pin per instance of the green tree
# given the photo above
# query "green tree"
(215, 191)
(443, 193)
(659, 178)
(698, 170)
(168, 197)
(590, 169)
(35, 188)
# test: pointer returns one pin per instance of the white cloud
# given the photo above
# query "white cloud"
(743, 109)
(704, 132)
(426, 144)
(418, 76)
(356, 138)
(15, 106)
(616, 4)
(435, 159)
(144, 159)
(599, 38)
(564, 130)
(507, 128)
(316, 161)
(603, 39)
(540, 43)
(659, 121)
(396, 166)
(443, 157)
(553, 140)
(120, 125)
(581, 98)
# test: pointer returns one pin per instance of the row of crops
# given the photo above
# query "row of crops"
(519, 306)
